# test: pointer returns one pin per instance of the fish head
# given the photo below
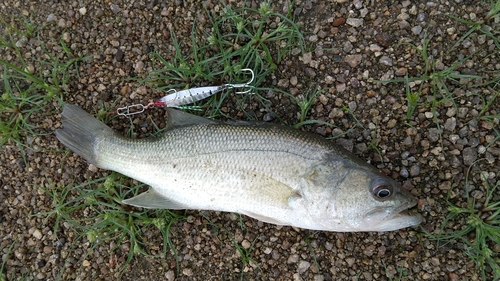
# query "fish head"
(366, 200)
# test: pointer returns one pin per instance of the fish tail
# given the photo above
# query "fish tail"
(81, 132)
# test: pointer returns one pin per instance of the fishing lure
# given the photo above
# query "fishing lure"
(179, 99)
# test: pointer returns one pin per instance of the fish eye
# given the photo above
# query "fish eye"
(382, 191)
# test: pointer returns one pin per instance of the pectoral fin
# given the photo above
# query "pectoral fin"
(151, 199)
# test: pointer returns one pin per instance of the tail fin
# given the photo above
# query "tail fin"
(81, 132)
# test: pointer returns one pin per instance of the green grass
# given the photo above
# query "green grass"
(245, 255)
(481, 25)
(221, 233)
(259, 39)
(491, 103)
(4, 261)
(311, 250)
(482, 217)
(3, 267)
(28, 90)
(434, 85)
(436, 82)
(481, 229)
(412, 99)
(401, 273)
(240, 38)
(305, 103)
(92, 211)
(95, 213)
(255, 38)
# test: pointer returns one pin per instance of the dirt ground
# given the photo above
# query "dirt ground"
(349, 44)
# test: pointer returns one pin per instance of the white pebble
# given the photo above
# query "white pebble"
(307, 57)
(386, 60)
(37, 234)
(355, 22)
(303, 266)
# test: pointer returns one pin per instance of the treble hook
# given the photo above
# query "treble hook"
(243, 85)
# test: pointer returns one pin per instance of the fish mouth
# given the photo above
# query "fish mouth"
(384, 219)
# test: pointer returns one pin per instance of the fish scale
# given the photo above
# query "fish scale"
(269, 172)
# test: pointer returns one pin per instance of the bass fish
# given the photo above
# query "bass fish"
(269, 172)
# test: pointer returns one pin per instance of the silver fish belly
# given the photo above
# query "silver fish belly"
(272, 173)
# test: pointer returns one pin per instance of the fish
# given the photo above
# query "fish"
(273, 173)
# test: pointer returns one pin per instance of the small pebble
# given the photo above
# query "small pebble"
(246, 244)
(41, 263)
(293, 258)
(340, 87)
(363, 12)
(369, 250)
(319, 277)
(187, 271)
(450, 124)
(303, 266)
(416, 30)
(353, 60)
(375, 48)
(51, 18)
(310, 72)
(414, 170)
(170, 275)
(283, 83)
(31, 69)
(37, 234)
(269, 117)
(355, 22)
(383, 39)
(22, 42)
(139, 66)
(115, 8)
(119, 55)
(93, 168)
(404, 173)
(385, 60)
(358, 4)
(469, 155)
(61, 23)
(404, 24)
(307, 57)
(433, 134)
(338, 21)
(400, 71)
(355, 82)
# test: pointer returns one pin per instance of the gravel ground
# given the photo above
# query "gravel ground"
(342, 57)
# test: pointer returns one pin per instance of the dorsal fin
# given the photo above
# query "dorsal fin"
(177, 118)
